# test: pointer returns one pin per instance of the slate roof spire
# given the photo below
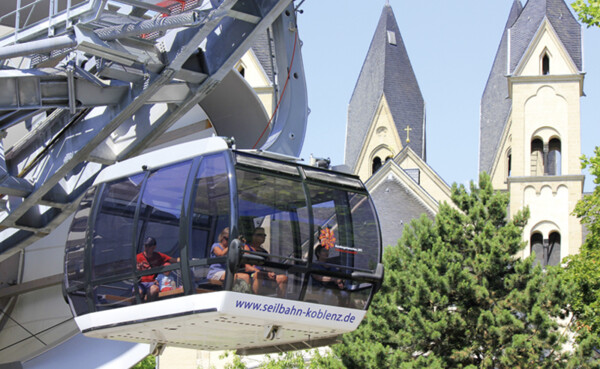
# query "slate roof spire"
(387, 71)
(495, 105)
(523, 23)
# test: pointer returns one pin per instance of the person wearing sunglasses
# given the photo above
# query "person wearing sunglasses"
(264, 280)
(216, 272)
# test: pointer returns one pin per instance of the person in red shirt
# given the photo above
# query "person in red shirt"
(148, 259)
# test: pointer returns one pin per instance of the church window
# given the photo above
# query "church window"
(537, 157)
(545, 65)
(554, 157)
(553, 249)
(547, 251)
(537, 247)
(508, 163)
(376, 164)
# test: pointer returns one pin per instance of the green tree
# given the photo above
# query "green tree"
(149, 362)
(306, 359)
(455, 296)
(588, 11)
(584, 268)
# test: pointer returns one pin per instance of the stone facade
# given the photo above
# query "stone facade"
(537, 157)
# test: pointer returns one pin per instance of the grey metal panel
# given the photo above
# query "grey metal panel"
(289, 126)
(235, 111)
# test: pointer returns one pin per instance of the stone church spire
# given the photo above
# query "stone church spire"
(522, 26)
(530, 139)
(495, 106)
(387, 86)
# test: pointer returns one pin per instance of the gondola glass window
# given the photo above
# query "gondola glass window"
(344, 223)
(185, 206)
(275, 204)
(112, 245)
(160, 209)
(75, 254)
(210, 216)
(115, 246)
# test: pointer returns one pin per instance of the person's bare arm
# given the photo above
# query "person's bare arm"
(220, 252)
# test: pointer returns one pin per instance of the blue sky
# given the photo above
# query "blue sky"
(451, 46)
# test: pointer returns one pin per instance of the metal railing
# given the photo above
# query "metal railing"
(29, 18)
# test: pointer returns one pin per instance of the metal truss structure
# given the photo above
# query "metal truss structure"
(89, 83)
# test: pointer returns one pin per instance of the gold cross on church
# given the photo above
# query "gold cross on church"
(408, 129)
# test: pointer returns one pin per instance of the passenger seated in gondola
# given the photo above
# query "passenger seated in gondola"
(148, 259)
(324, 284)
(216, 272)
(166, 281)
(263, 279)
(321, 253)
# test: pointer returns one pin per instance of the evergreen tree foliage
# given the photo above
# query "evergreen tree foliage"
(456, 296)
(306, 359)
(149, 362)
(584, 268)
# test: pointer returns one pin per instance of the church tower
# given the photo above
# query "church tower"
(386, 111)
(385, 135)
(530, 124)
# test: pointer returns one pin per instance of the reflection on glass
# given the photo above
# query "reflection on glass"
(112, 295)
(331, 217)
(158, 227)
(74, 254)
(365, 230)
(113, 242)
(325, 288)
(210, 219)
(276, 207)
(161, 208)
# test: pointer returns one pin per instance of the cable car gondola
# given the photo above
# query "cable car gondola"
(183, 197)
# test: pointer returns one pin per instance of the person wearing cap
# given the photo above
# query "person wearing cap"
(149, 259)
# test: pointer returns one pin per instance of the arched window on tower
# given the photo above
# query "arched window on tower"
(537, 247)
(537, 157)
(545, 65)
(554, 157)
(376, 164)
(553, 249)
(547, 252)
